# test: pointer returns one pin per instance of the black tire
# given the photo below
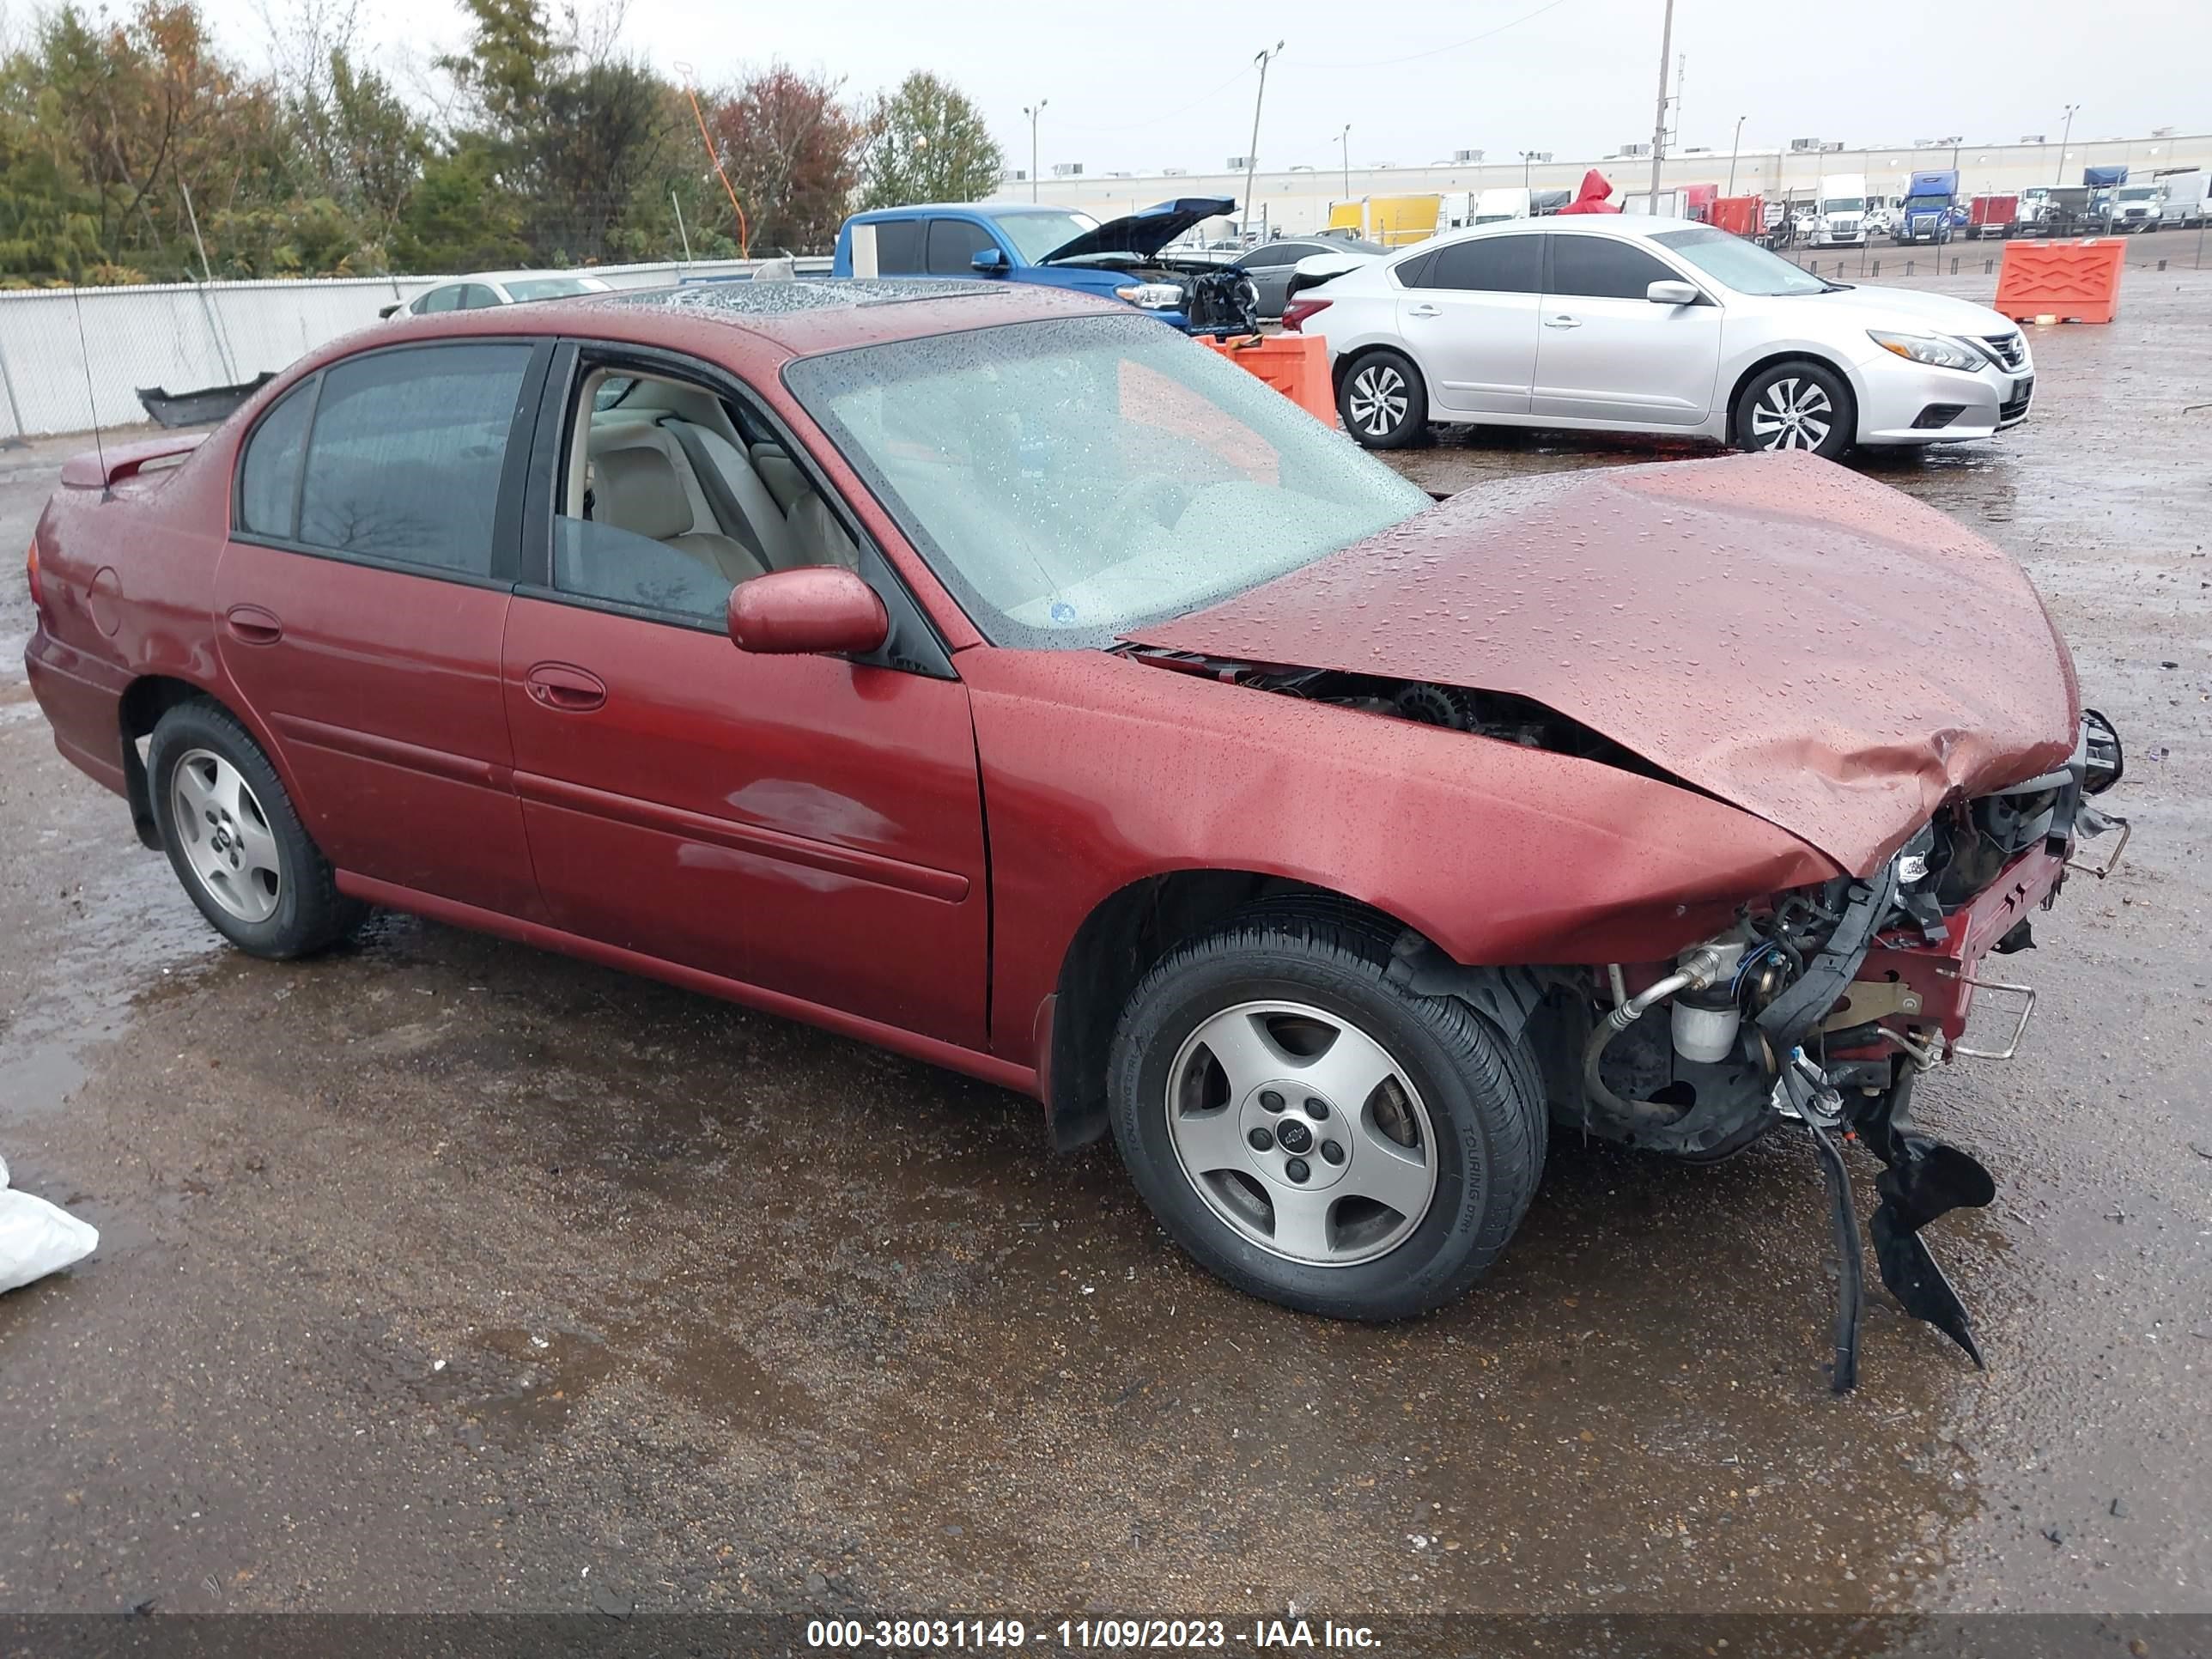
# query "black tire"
(1382, 400)
(1484, 1099)
(310, 914)
(1786, 385)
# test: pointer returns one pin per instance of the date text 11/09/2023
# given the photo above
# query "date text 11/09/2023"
(1117, 1635)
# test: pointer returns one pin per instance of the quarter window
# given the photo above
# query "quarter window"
(404, 462)
(269, 485)
(1486, 264)
(439, 299)
(1603, 268)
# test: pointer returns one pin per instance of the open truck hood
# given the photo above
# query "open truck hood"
(1142, 234)
(1815, 649)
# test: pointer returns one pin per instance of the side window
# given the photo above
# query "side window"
(669, 502)
(1603, 268)
(1411, 273)
(1487, 265)
(898, 247)
(954, 246)
(447, 298)
(1275, 254)
(268, 482)
(404, 462)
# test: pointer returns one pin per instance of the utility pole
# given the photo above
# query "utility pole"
(1659, 123)
(2059, 178)
(1345, 139)
(1736, 146)
(1527, 157)
(1252, 150)
(1033, 111)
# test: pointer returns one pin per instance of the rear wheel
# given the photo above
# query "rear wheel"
(234, 840)
(1382, 402)
(1796, 405)
(1313, 1132)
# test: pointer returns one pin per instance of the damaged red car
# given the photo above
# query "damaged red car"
(993, 675)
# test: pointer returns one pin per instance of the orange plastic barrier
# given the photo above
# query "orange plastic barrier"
(1295, 365)
(2074, 282)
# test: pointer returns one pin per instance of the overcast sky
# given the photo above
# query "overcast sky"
(1147, 86)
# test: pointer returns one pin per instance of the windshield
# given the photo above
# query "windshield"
(549, 288)
(1744, 266)
(1073, 479)
(2133, 194)
(1843, 205)
(1036, 234)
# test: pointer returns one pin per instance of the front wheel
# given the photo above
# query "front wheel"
(1313, 1132)
(1796, 405)
(1382, 401)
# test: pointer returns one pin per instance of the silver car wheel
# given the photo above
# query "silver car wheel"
(1378, 399)
(1302, 1132)
(225, 835)
(1792, 414)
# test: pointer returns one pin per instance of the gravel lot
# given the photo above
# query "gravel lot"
(442, 1273)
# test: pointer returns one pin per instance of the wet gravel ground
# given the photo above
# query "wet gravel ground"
(442, 1273)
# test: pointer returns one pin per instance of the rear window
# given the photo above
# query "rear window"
(898, 247)
(547, 288)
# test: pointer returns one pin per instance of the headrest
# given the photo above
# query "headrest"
(637, 490)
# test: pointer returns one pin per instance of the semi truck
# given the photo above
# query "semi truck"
(1992, 215)
(1841, 220)
(1926, 213)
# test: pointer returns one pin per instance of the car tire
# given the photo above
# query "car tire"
(1382, 401)
(1796, 404)
(1455, 1105)
(235, 841)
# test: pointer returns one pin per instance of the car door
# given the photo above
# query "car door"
(360, 601)
(1607, 352)
(807, 826)
(953, 245)
(1270, 266)
(1468, 316)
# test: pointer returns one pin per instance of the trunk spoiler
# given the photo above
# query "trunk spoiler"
(103, 468)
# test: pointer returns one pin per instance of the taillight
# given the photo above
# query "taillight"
(31, 576)
(1295, 312)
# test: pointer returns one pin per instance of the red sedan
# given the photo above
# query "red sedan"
(999, 677)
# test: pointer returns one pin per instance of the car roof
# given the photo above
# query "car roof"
(985, 210)
(518, 277)
(794, 318)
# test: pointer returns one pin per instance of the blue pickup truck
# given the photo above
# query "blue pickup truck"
(1120, 259)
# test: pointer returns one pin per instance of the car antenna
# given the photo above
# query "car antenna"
(91, 398)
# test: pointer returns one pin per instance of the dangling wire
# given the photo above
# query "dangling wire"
(745, 235)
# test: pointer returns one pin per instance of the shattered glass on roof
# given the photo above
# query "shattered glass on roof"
(739, 300)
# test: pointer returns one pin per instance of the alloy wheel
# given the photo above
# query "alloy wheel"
(225, 835)
(1792, 414)
(1302, 1132)
(1378, 399)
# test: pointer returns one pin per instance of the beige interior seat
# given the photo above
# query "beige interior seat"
(814, 531)
(638, 489)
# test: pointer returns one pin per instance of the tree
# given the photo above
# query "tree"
(792, 152)
(592, 148)
(927, 143)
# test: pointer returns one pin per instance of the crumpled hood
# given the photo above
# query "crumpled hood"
(1144, 233)
(1814, 647)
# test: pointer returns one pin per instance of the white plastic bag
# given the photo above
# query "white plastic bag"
(36, 1238)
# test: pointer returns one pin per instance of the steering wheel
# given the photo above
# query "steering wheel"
(1155, 496)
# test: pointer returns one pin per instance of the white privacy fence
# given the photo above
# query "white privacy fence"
(73, 358)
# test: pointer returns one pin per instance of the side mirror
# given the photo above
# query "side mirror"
(810, 611)
(1672, 293)
(991, 262)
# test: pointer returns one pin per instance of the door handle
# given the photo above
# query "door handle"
(565, 689)
(1425, 311)
(250, 624)
(1562, 321)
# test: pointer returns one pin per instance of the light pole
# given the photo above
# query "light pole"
(1252, 150)
(1345, 139)
(1736, 147)
(1527, 157)
(2059, 177)
(1659, 125)
(1033, 111)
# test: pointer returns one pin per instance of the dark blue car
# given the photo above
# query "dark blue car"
(1056, 246)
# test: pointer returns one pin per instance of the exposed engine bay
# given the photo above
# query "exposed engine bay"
(1820, 1006)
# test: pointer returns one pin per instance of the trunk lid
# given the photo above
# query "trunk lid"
(1814, 647)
